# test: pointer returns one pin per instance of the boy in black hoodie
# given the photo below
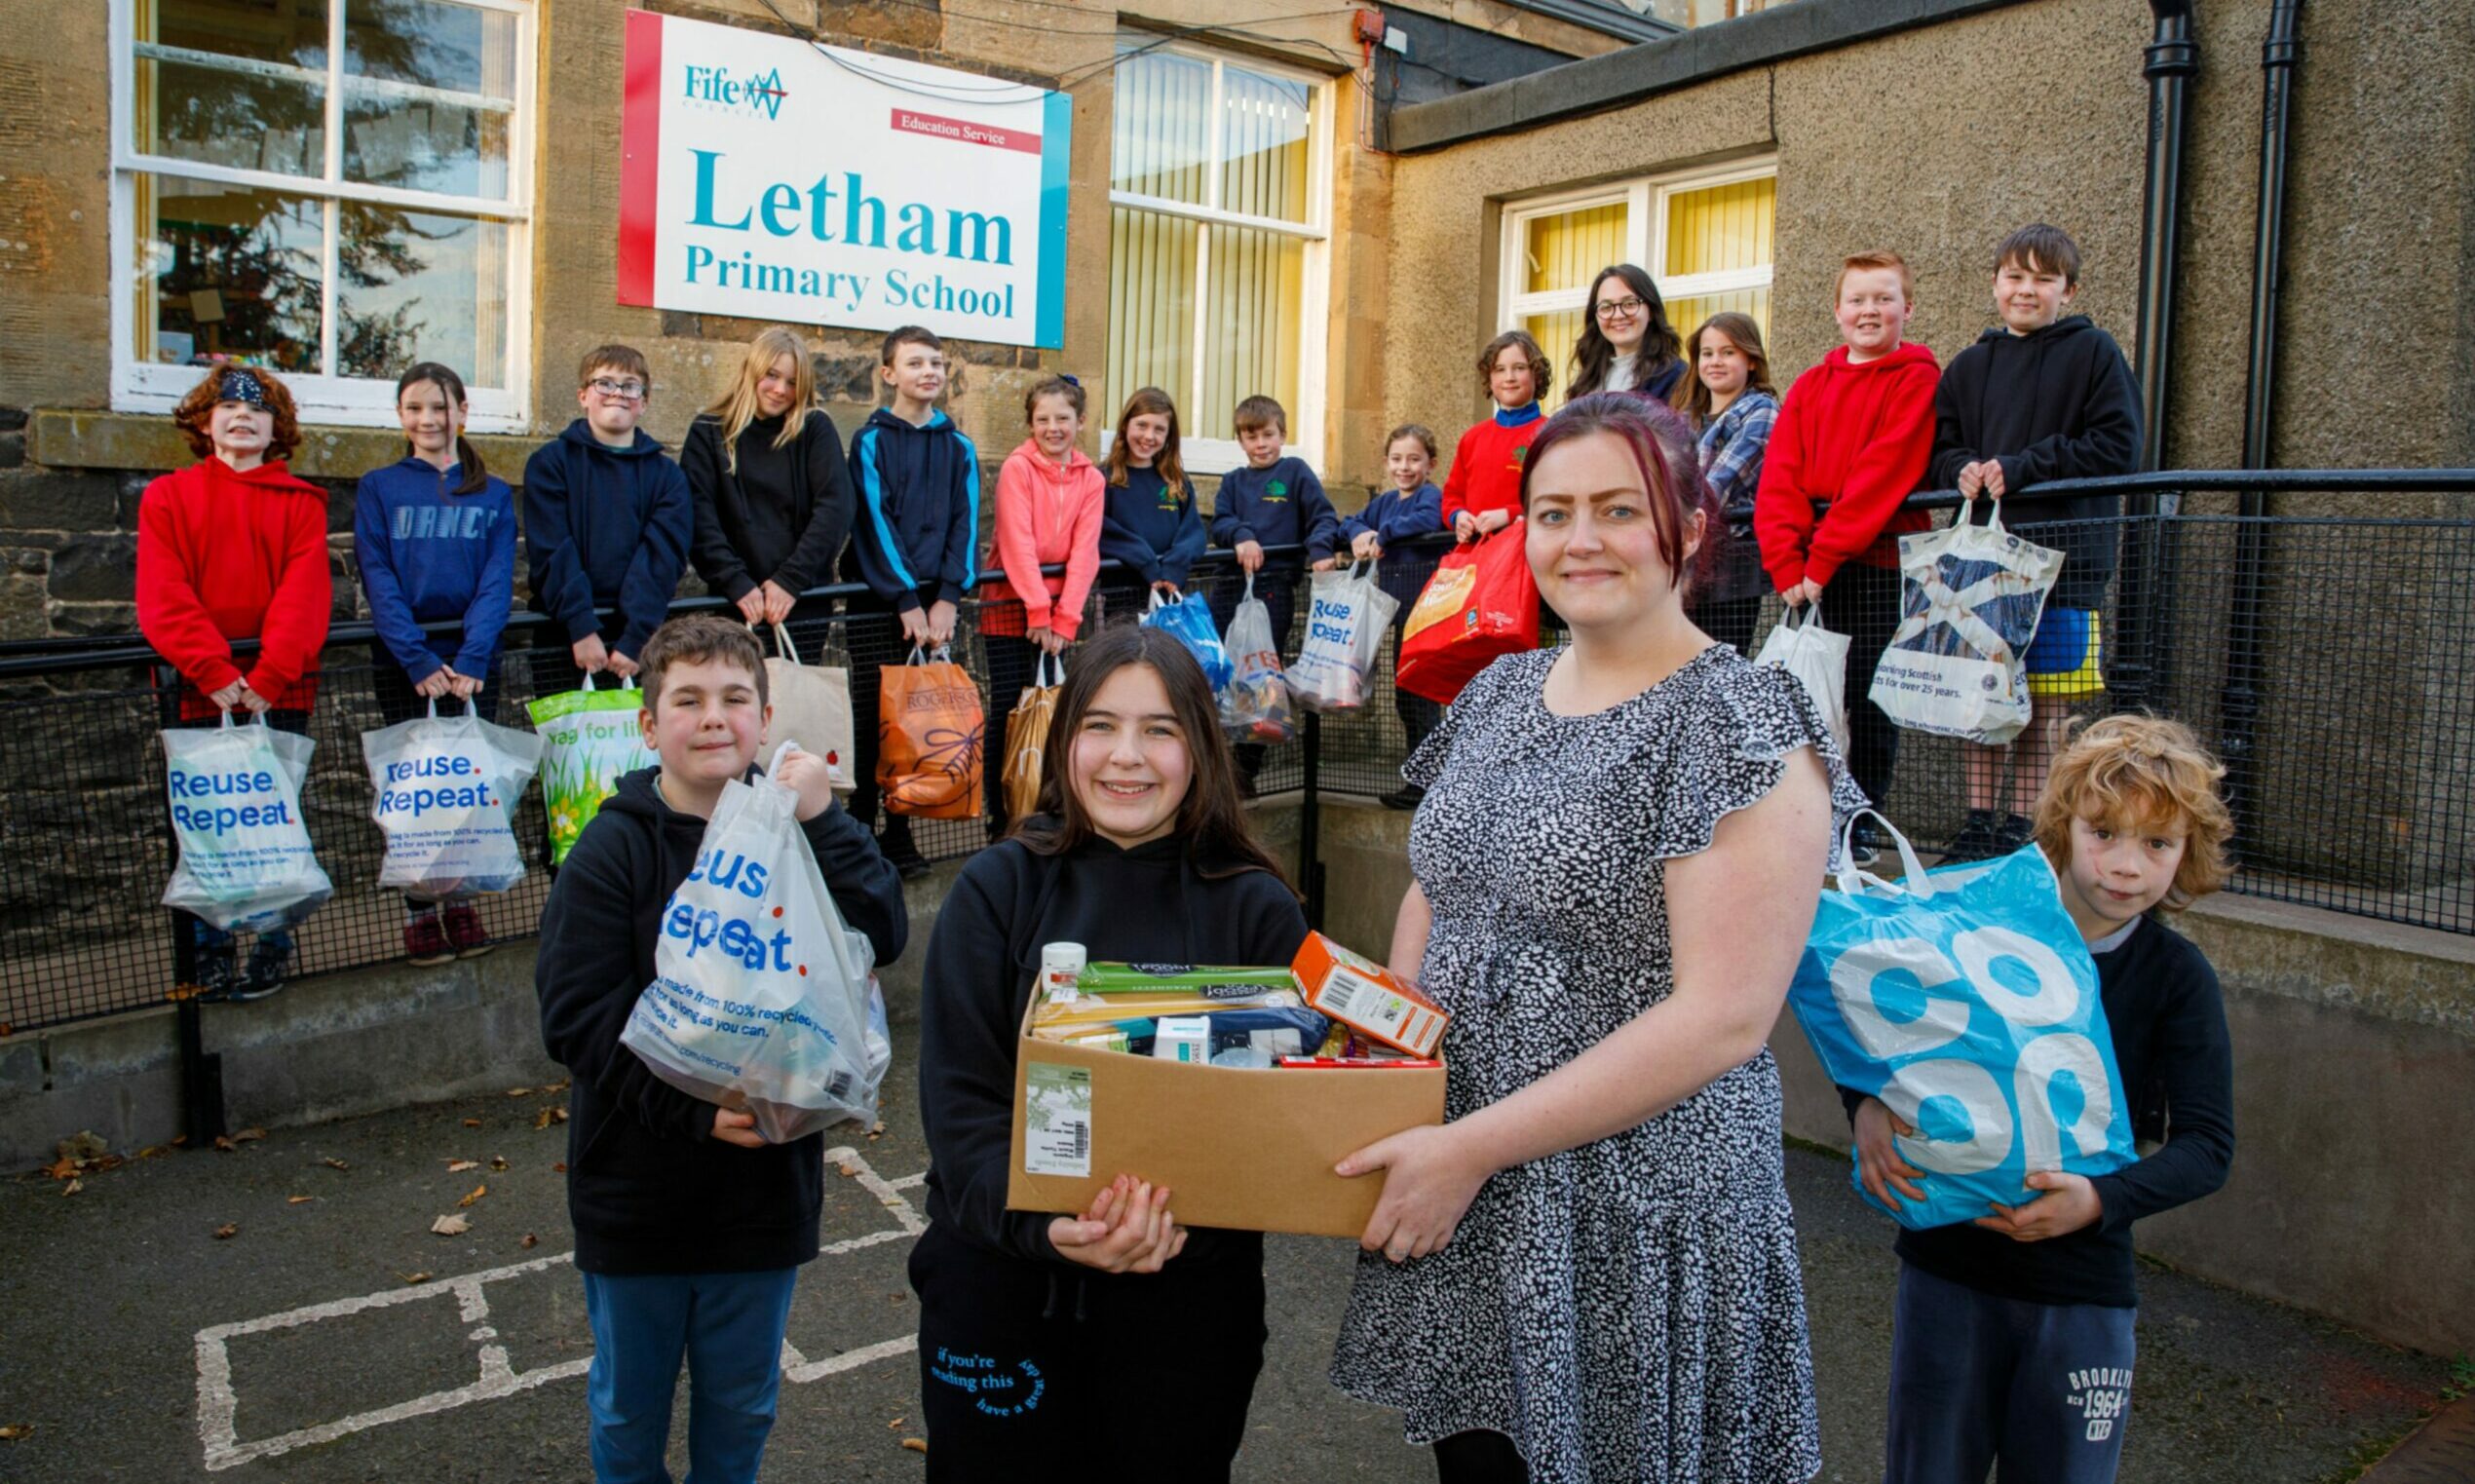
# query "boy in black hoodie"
(1275, 501)
(2036, 398)
(690, 1228)
(914, 544)
(607, 521)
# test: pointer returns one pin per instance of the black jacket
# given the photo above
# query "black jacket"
(2057, 403)
(1148, 905)
(782, 515)
(649, 1189)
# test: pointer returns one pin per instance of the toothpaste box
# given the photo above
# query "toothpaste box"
(1362, 994)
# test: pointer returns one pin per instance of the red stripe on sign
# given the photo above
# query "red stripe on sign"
(640, 154)
(963, 132)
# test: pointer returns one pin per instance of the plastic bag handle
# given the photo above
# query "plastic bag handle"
(626, 682)
(1250, 588)
(1045, 666)
(1913, 884)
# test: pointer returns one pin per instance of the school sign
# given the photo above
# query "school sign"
(770, 178)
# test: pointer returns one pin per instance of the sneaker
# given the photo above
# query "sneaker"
(218, 970)
(425, 941)
(2015, 831)
(465, 933)
(269, 956)
(1975, 840)
(1865, 849)
(1406, 796)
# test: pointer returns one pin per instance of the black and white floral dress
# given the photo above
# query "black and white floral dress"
(1631, 1310)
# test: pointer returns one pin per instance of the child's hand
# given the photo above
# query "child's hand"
(779, 600)
(1324, 565)
(1465, 526)
(1366, 547)
(590, 655)
(1992, 475)
(806, 774)
(1971, 480)
(1128, 1230)
(253, 703)
(915, 627)
(439, 682)
(737, 1128)
(464, 687)
(1166, 589)
(940, 623)
(623, 667)
(1493, 521)
(752, 605)
(229, 698)
(1250, 556)
(2069, 1202)
(1878, 1160)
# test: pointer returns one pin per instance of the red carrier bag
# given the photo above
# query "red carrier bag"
(1482, 603)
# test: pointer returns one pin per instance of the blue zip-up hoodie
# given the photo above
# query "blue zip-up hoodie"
(916, 538)
(1280, 505)
(1150, 530)
(428, 555)
(605, 528)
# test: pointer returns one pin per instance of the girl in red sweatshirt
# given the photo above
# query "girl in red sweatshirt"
(1482, 492)
(1852, 437)
(1050, 501)
(235, 548)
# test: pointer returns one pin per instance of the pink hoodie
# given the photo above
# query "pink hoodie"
(1045, 514)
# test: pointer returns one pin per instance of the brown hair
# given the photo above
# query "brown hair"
(1594, 354)
(699, 638)
(1663, 448)
(626, 359)
(1866, 262)
(1260, 413)
(1056, 386)
(1151, 401)
(197, 409)
(1211, 819)
(1424, 435)
(2040, 246)
(451, 387)
(921, 334)
(1690, 397)
(2140, 772)
(1542, 374)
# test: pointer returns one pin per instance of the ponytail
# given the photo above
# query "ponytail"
(469, 458)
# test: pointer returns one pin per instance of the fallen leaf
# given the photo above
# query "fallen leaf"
(179, 1140)
(560, 1168)
(415, 1277)
(548, 1116)
(16, 1430)
(72, 1187)
(498, 1161)
(459, 1167)
(847, 1168)
(897, 1423)
(84, 1145)
(472, 1122)
(916, 1444)
(337, 1164)
(529, 1243)
(223, 1142)
(150, 1151)
(450, 1226)
(247, 1134)
(298, 1199)
(878, 1132)
(7, 1029)
(558, 1086)
(65, 1168)
(110, 1161)
(520, 1093)
(479, 1192)
(229, 1228)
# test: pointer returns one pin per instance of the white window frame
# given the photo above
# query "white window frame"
(142, 386)
(1218, 456)
(1644, 202)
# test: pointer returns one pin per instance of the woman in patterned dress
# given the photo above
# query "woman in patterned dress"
(1587, 1274)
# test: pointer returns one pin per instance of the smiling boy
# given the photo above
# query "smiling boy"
(1276, 501)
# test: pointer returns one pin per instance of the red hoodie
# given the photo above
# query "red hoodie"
(1045, 514)
(1858, 437)
(224, 555)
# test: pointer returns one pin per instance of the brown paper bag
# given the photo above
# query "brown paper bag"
(928, 731)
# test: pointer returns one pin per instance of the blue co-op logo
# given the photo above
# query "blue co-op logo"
(717, 87)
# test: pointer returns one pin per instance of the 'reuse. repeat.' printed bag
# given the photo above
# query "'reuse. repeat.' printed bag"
(591, 739)
(246, 860)
(446, 790)
(1966, 1001)
(1969, 598)
(1346, 617)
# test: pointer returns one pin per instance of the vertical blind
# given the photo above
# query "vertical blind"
(1715, 229)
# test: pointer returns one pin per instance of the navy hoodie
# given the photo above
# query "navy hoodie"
(1280, 505)
(427, 555)
(1151, 530)
(605, 528)
(916, 541)
(649, 1187)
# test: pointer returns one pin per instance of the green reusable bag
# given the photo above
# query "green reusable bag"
(589, 738)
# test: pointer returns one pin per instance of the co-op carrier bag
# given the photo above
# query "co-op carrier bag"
(246, 860)
(762, 998)
(444, 792)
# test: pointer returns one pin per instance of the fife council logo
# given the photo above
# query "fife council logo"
(718, 88)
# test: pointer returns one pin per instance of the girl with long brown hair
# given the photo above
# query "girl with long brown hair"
(1731, 403)
(1149, 525)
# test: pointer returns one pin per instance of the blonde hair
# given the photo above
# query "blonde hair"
(735, 408)
(2140, 772)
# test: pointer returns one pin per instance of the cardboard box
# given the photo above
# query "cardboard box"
(1246, 1149)
(1367, 997)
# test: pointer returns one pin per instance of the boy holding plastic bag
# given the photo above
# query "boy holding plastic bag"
(690, 1226)
(2013, 1337)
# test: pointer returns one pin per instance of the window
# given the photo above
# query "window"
(330, 188)
(1705, 239)
(1219, 192)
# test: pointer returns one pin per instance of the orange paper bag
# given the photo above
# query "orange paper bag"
(928, 728)
(1482, 603)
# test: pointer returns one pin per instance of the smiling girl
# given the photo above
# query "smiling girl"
(1731, 403)
(1140, 852)
(1049, 509)
(1149, 522)
(772, 489)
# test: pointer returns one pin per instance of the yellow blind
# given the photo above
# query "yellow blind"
(1251, 327)
(1151, 304)
(1726, 226)
(1264, 149)
(1161, 141)
(1566, 250)
(1557, 333)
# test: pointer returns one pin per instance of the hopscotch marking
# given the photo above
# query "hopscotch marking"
(219, 1407)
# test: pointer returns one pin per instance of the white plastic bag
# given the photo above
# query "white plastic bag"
(1968, 604)
(446, 790)
(1818, 660)
(246, 860)
(763, 999)
(1254, 707)
(1346, 617)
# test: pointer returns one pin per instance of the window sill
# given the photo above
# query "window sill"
(65, 438)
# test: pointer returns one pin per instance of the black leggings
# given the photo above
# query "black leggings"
(1479, 1457)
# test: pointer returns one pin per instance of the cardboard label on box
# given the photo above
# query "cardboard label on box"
(1057, 1121)
(1362, 994)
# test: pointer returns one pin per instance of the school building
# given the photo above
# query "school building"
(1333, 206)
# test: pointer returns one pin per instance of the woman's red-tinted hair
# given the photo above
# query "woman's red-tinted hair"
(198, 406)
(1669, 458)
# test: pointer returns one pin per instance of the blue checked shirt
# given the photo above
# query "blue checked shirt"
(1731, 456)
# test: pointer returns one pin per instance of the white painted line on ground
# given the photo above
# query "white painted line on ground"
(218, 1406)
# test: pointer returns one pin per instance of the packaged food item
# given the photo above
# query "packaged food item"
(1184, 1039)
(1367, 997)
(1060, 968)
(1211, 981)
(1401, 1063)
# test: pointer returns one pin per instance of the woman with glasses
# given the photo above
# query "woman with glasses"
(1626, 343)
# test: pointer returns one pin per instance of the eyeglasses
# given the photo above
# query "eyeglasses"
(1619, 309)
(621, 391)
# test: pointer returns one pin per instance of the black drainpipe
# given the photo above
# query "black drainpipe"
(2239, 702)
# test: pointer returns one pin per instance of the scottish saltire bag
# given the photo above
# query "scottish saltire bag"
(591, 739)
(1346, 615)
(1189, 618)
(762, 1000)
(446, 793)
(1965, 999)
(1482, 603)
(1254, 707)
(246, 860)
(1818, 660)
(1969, 603)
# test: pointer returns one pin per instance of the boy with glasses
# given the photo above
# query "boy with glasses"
(607, 521)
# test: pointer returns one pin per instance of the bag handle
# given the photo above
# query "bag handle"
(1914, 882)
(1045, 665)
(1250, 588)
(626, 682)
(783, 648)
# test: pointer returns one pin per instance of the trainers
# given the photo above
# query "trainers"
(1406, 796)
(426, 940)
(218, 970)
(1865, 849)
(1975, 840)
(2015, 830)
(465, 933)
(269, 956)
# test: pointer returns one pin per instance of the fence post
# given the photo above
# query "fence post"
(202, 1116)
(2239, 698)
(1310, 818)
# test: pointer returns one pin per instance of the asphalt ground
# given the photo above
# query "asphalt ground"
(137, 1344)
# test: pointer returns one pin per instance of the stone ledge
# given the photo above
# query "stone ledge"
(65, 438)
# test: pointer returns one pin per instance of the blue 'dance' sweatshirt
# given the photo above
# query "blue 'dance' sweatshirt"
(605, 528)
(428, 555)
(916, 538)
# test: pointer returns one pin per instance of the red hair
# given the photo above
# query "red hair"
(1667, 454)
(197, 409)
